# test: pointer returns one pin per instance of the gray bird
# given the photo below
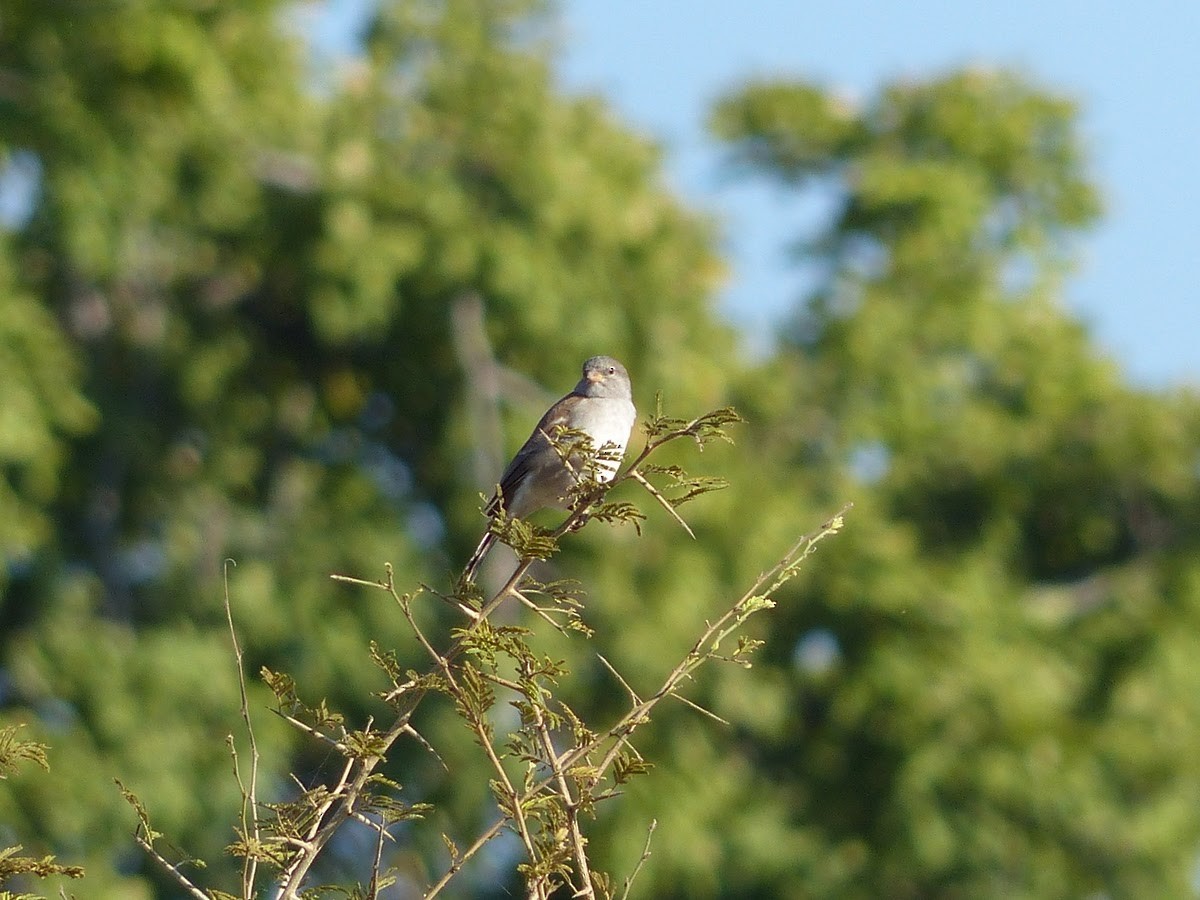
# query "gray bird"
(600, 406)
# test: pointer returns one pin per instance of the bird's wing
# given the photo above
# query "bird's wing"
(558, 415)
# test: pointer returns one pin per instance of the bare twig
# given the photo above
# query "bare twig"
(249, 814)
(641, 862)
(698, 708)
(416, 736)
(373, 887)
(182, 880)
(315, 732)
(387, 584)
(617, 675)
(709, 640)
(662, 501)
(456, 866)
(541, 612)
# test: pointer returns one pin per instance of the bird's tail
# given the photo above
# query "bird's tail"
(485, 544)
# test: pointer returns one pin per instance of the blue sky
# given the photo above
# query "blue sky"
(1134, 69)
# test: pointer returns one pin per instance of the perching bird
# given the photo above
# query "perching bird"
(600, 406)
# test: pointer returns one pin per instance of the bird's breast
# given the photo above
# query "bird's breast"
(607, 421)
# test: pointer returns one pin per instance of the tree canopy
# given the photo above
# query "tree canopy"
(257, 315)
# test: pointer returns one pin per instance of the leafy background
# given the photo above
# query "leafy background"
(235, 322)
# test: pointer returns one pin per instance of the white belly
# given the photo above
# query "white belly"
(609, 423)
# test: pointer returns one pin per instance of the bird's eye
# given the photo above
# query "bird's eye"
(612, 370)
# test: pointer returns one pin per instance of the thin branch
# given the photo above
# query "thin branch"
(373, 825)
(542, 612)
(373, 888)
(617, 675)
(700, 709)
(406, 608)
(623, 729)
(420, 739)
(484, 738)
(319, 735)
(182, 880)
(774, 577)
(662, 501)
(704, 648)
(641, 862)
(570, 805)
(250, 825)
(387, 586)
(341, 803)
(361, 582)
(462, 859)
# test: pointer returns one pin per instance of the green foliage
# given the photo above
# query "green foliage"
(12, 866)
(42, 407)
(1011, 508)
(251, 283)
(543, 793)
(13, 751)
(235, 325)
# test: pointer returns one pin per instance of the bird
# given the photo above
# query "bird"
(600, 407)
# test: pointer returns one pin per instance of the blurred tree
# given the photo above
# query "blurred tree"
(260, 295)
(255, 277)
(159, 135)
(42, 407)
(982, 690)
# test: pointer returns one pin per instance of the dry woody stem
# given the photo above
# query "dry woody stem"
(482, 665)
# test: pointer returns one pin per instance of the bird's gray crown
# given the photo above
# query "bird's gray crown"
(604, 376)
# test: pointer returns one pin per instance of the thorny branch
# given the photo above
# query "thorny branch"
(544, 810)
(705, 648)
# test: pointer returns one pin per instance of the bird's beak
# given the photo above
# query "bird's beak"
(595, 376)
